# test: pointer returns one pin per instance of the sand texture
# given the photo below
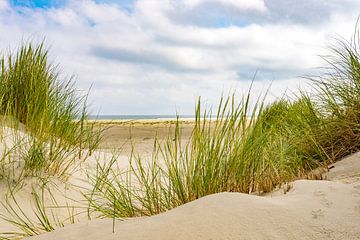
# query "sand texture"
(327, 209)
(123, 134)
(307, 209)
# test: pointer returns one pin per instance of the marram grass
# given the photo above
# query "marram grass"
(50, 110)
(44, 216)
(238, 151)
(338, 98)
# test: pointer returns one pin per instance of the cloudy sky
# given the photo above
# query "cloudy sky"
(158, 56)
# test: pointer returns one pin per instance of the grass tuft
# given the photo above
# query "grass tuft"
(49, 109)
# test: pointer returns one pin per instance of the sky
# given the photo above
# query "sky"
(159, 56)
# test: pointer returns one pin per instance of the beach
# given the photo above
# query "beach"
(204, 120)
(124, 135)
(289, 169)
(303, 209)
(120, 139)
(307, 209)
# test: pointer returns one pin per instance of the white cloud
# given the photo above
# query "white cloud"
(4, 5)
(145, 62)
(258, 5)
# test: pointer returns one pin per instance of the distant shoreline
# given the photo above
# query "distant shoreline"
(140, 117)
(132, 122)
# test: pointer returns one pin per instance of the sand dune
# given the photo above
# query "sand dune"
(328, 209)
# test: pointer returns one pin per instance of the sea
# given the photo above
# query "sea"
(138, 117)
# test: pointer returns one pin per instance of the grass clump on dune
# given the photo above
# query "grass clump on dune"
(34, 98)
(338, 99)
(242, 150)
(44, 131)
(43, 217)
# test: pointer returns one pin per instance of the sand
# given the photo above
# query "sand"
(123, 134)
(311, 209)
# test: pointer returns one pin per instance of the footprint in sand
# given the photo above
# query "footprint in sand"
(355, 194)
(319, 194)
(357, 207)
(323, 200)
(317, 213)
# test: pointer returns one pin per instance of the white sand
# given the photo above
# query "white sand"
(67, 192)
(310, 210)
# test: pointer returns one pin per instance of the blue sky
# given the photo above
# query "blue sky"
(157, 57)
(38, 3)
(125, 4)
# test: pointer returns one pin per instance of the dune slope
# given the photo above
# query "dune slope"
(310, 210)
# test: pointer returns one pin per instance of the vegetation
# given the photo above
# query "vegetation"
(44, 216)
(239, 151)
(34, 98)
(338, 99)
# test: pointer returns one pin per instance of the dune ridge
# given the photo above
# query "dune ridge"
(311, 209)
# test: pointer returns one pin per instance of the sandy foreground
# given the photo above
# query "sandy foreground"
(327, 209)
